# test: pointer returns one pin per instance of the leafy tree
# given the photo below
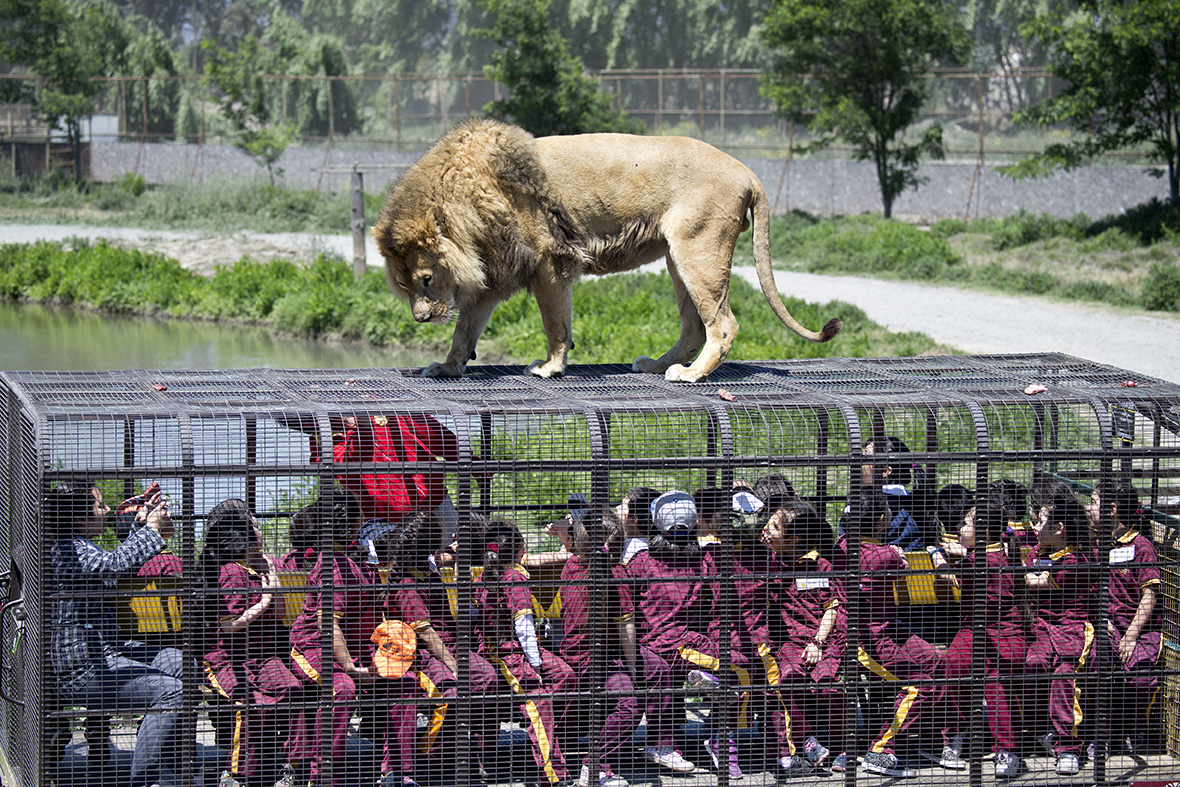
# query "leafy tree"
(383, 36)
(149, 55)
(71, 47)
(1000, 47)
(664, 33)
(1122, 64)
(244, 102)
(295, 52)
(550, 93)
(852, 70)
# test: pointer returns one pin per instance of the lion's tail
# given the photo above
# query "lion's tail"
(761, 215)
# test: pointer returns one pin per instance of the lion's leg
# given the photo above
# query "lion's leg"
(692, 332)
(706, 262)
(555, 298)
(469, 327)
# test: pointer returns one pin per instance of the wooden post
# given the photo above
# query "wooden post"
(357, 221)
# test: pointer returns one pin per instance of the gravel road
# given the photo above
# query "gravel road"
(970, 321)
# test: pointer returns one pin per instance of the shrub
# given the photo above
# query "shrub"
(1147, 223)
(1161, 287)
(1025, 228)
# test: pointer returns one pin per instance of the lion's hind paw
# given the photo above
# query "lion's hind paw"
(679, 373)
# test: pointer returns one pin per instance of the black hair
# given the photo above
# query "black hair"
(229, 532)
(1011, 496)
(585, 545)
(1057, 496)
(413, 541)
(335, 513)
(502, 545)
(1121, 495)
(813, 530)
(773, 485)
(951, 503)
(866, 511)
(65, 505)
(301, 532)
(712, 503)
(901, 470)
(641, 498)
(990, 523)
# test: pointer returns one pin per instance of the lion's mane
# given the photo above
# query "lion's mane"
(482, 188)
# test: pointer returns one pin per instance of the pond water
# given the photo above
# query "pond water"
(34, 337)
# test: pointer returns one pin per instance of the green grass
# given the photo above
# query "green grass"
(616, 318)
(1130, 260)
(240, 205)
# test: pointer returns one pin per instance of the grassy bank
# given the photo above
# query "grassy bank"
(616, 318)
(1132, 259)
(1128, 260)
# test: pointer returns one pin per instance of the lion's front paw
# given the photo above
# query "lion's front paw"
(679, 373)
(443, 370)
(646, 365)
(546, 369)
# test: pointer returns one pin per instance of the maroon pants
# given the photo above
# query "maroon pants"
(912, 660)
(808, 701)
(554, 675)
(1004, 656)
(257, 693)
(1062, 651)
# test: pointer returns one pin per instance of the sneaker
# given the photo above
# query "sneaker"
(228, 780)
(288, 777)
(794, 767)
(394, 780)
(605, 779)
(1092, 751)
(886, 764)
(952, 754)
(699, 679)
(711, 746)
(667, 757)
(840, 764)
(1067, 764)
(1007, 765)
(814, 752)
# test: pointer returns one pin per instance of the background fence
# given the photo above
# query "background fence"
(409, 112)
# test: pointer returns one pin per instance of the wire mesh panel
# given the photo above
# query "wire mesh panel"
(954, 570)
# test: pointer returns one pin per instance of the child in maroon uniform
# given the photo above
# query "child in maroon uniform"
(507, 637)
(675, 606)
(1133, 623)
(1004, 646)
(418, 598)
(354, 617)
(244, 660)
(1060, 590)
(806, 599)
(889, 653)
(629, 665)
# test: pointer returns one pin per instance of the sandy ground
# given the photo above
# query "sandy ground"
(974, 322)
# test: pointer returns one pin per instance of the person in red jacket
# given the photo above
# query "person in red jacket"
(403, 437)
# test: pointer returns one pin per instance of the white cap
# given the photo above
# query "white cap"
(674, 512)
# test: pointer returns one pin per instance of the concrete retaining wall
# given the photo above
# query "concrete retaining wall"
(845, 187)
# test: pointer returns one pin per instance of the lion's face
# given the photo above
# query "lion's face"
(422, 277)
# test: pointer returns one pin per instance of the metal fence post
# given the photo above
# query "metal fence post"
(357, 222)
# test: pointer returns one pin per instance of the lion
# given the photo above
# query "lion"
(490, 210)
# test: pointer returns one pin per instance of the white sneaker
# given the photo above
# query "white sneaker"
(1007, 765)
(605, 779)
(669, 758)
(1067, 764)
(699, 679)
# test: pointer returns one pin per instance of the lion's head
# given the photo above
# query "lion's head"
(420, 266)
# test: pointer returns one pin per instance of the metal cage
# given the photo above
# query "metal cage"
(531, 452)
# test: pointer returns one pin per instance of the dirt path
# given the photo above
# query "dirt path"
(974, 322)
